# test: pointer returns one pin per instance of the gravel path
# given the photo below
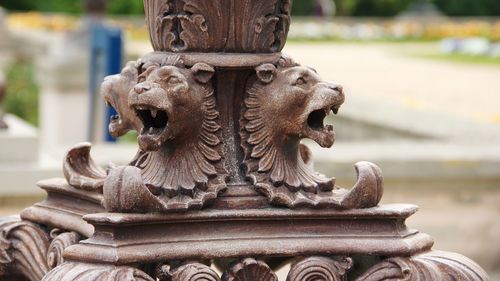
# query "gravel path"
(386, 71)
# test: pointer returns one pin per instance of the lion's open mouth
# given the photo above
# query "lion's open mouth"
(155, 123)
(318, 131)
(152, 119)
(115, 122)
(114, 118)
(316, 119)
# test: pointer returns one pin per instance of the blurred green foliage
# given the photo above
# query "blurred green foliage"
(121, 7)
(469, 7)
(367, 8)
(375, 8)
(22, 91)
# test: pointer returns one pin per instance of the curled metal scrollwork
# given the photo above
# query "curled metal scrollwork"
(430, 266)
(81, 171)
(249, 269)
(189, 271)
(319, 269)
(69, 271)
(60, 241)
(22, 249)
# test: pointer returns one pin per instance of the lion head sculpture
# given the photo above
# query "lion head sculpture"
(180, 161)
(78, 167)
(115, 90)
(285, 104)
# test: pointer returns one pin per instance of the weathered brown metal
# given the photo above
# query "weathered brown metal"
(221, 177)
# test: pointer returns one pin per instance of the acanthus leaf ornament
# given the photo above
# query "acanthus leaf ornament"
(201, 25)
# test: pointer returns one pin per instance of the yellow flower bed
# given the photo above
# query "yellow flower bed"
(33, 20)
(378, 29)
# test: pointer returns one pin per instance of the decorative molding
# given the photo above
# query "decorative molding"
(72, 271)
(249, 269)
(189, 271)
(275, 161)
(60, 241)
(319, 269)
(430, 266)
(22, 249)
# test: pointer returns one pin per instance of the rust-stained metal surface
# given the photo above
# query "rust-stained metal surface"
(221, 178)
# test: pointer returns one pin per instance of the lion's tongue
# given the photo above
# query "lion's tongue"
(324, 137)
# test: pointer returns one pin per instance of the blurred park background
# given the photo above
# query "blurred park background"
(423, 101)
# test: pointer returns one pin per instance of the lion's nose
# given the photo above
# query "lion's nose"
(335, 87)
(141, 88)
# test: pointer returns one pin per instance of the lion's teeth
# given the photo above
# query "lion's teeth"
(151, 130)
(143, 130)
(154, 112)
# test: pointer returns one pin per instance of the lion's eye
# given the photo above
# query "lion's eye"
(141, 79)
(173, 80)
(300, 81)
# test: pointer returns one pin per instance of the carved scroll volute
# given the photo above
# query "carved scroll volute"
(81, 171)
(23, 246)
(61, 240)
(72, 271)
(319, 269)
(189, 271)
(249, 269)
(430, 266)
